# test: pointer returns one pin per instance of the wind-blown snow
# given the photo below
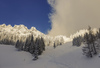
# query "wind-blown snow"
(65, 56)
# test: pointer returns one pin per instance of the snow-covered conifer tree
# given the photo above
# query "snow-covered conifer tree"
(87, 50)
(32, 45)
(77, 41)
(35, 54)
(54, 45)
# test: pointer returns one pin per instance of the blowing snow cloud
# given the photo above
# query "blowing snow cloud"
(69, 16)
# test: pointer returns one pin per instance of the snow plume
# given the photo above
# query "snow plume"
(69, 16)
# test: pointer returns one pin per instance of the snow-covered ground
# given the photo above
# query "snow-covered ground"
(64, 56)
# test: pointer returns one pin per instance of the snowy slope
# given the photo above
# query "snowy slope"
(66, 56)
(20, 32)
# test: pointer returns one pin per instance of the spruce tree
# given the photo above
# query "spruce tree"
(92, 39)
(17, 43)
(43, 44)
(35, 54)
(27, 43)
(87, 48)
(32, 45)
(54, 45)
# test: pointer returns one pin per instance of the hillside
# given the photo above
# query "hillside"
(65, 56)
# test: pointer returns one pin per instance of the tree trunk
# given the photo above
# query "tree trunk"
(89, 50)
(95, 52)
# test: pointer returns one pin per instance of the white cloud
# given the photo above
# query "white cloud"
(68, 16)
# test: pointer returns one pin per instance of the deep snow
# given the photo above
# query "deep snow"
(64, 56)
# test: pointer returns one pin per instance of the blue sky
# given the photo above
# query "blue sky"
(27, 12)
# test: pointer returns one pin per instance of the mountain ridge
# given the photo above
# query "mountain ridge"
(21, 30)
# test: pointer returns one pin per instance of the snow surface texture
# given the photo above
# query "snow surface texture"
(20, 32)
(65, 56)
